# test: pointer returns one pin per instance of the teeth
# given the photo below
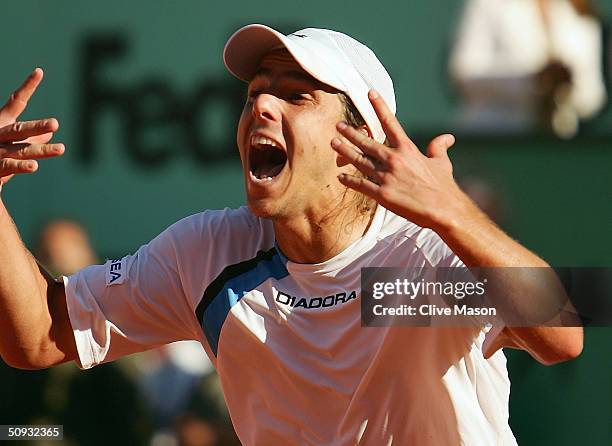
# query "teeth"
(266, 162)
(261, 179)
(257, 140)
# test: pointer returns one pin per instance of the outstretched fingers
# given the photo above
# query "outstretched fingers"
(20, 131)
(363, 185)
(362, 162)
(21, 143)
(367, 145)
(18, 101)
(9, 166)
(438, 147)
(40, 139)
(23, 151)
(391, 126)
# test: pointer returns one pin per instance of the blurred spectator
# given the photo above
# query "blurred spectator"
(170, 375)
(193, 431)
(64, 248)
(104, 407)
(520, 65)
(184, 394)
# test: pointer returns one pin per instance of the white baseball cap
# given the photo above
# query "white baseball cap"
(331, 57)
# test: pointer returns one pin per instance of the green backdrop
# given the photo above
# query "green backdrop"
(148, 113)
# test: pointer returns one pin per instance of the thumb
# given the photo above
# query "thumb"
(439, 146)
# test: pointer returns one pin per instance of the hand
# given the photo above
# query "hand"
(21, 143)
(417, 187)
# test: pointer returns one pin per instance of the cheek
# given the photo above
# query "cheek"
(242, 130)
(322, 142)
(320, 158)
(313, 136)
(309, 136)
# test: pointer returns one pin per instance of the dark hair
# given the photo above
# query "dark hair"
(351, 114)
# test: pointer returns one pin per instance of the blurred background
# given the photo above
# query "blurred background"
(148, 114)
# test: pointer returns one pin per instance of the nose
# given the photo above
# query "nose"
(266, 107)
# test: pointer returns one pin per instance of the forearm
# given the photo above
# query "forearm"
(25, 319)
(480, 243)
(35, 329)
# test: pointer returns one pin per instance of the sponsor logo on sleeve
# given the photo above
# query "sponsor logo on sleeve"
(115, 272)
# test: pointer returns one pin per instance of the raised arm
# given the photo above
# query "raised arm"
(35, 330)
(422, 189)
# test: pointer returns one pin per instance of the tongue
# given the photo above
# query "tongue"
(268, 170)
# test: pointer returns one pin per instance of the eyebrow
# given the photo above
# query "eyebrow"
(295, 75)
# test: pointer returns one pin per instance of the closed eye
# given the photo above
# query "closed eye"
(252, 95)
(294, 97)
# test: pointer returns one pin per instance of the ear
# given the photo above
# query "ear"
(365, 130)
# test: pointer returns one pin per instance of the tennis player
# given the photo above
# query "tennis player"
(272, 290)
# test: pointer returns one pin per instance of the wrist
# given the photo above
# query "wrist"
(460, 213)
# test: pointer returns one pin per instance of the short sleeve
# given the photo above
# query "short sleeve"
(491, 334)
(149, 298)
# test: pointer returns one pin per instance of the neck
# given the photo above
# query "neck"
(317, 237)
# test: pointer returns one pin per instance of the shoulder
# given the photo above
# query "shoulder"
(219, 231)
(238, 222)
(414, 240)
(204, 244)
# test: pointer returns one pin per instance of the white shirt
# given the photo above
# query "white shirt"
(295, 364)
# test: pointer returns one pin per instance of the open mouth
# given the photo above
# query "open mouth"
(266, 158)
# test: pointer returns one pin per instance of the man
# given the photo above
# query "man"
(272, 291)
(64, 247)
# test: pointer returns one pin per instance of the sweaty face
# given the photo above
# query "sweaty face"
(284, 138)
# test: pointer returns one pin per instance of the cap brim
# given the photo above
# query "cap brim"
(246, 48)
